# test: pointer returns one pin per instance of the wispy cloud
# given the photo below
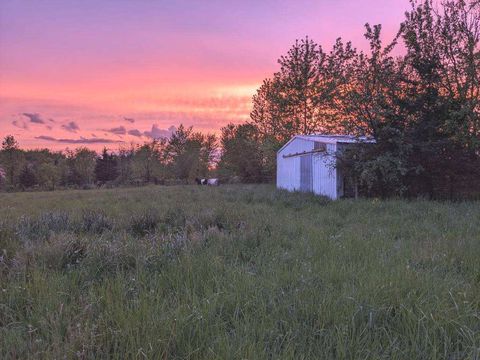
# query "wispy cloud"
(82, 140)
(135, 132)
(71, 126)
(34, 118)
(157, 133)
(20, 124)
(120, 130)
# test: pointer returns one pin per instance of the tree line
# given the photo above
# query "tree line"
(185, 155)
(418, 96)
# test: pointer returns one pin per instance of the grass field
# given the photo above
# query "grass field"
(236, 272)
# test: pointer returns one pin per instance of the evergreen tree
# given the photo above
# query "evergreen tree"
(27, 177)
(106, 167)
(12, 158)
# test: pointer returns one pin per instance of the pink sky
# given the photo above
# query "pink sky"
(111, 72)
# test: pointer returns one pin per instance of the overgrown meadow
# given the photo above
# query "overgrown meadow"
(236, 272)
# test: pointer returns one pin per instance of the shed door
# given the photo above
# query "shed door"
(306, 173)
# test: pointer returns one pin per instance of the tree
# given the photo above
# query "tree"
(48, 175)
(294, 100)
(27, 177)
(125, 164)
(81, 164)
(243, 154)
(368, 103)
(421, 108)
(106, 167)
(189, 154)
(268, 111)
(208, 154)
(12, 158)
(147, 163)
(442, 87)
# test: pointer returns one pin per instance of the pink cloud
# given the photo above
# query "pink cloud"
(71, 126)
(157, 133)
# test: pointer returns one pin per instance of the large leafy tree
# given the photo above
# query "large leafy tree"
(125, 160)
(48, 174)
(422, 107)
(147, 161)
(81, 163)
(457, 40)
(190, 154)
(442, 91)
(246, 154)
(295, 100)
(268, 113)
(368, 102)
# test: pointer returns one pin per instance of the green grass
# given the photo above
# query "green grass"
(236, 272)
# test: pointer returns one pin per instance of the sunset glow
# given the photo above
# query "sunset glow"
(105, 73)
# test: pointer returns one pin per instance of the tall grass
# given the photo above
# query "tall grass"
(236, 272)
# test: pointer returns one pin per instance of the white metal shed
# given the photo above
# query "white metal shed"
(307, 163)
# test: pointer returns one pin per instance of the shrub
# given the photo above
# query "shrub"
(35, 229)
(144, 222)
(61, 251)
(175, 219)
(94, 221)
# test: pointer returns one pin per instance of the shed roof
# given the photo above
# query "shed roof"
(331, 139)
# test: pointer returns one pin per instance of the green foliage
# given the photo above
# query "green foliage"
(146, 160)
(144, 222)
(236, 272)
(423, 108)
(95, 221)
(242, 153)
(183, 156)
(32, 229)
(27, 177)
(106, 167)
(81, 166)
(190, 154)
(48, 175)
(11, 159)
(292, 102)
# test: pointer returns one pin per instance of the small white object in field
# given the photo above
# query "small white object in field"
(213, 182)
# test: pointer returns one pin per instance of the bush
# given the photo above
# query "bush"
(61, 252)
(175, 219)
(30, 229)
(94, 221)
(144, 222)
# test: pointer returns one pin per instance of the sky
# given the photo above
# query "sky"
(108, 73)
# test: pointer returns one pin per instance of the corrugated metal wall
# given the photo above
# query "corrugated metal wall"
(306, 173)
(323, 178)
(288, 169)
(325, 174)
